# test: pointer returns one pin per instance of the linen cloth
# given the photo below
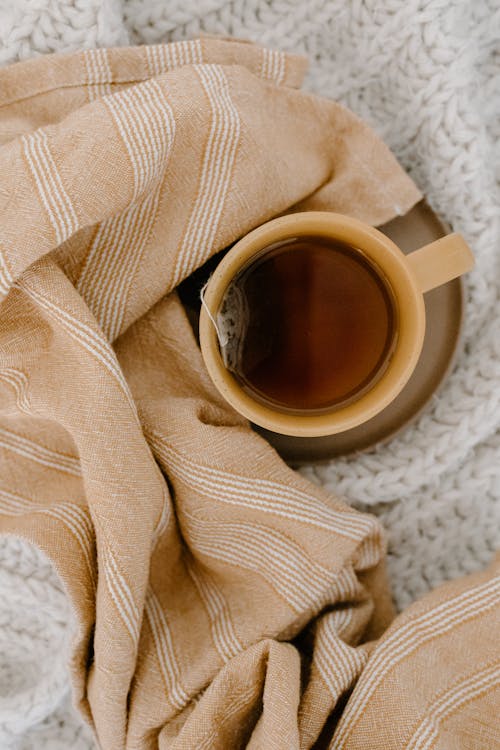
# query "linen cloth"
(189, 575)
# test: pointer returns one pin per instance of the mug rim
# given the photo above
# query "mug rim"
(408, 299)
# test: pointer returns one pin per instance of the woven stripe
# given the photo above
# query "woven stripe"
(113, 260)
(407, 639)
(121, 594)
(273, 65)
(341, 619)
(260, 494)
(302, 583)
(99, 76)
(85, 336)
(19, 383)
(145, 122)
(233, 707)
(35, 452)
(338, 663)
(469, 689)
(221, 625)
(72, 516)
(216, 172)
(120, 242)
(6, 278)
(165, 516)
(53, 195)
(165, 57)
(165, 651)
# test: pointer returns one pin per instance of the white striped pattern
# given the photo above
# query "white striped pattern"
(84, 335)
(165, 516)
(53, 195)
(218, 161)
(232, 708)
(368, 554)
(341, 619)
(113, 260)
(119, 243)
(164, 57)
(121, 594)
(72, 515)
(338, 663)
(347, 585)
(145, 122)
(35, 452)
(273, 65)
(99, 77)
(408, 638)
(261, 494)
(467, 690)
(19, 382)
(165, 652)
(303, 584)
(221, 625)
(6, 278)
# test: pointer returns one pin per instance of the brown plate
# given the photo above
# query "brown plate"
(443, 307)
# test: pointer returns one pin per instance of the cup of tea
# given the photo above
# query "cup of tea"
(313, 323)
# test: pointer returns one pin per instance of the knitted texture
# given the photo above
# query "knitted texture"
(426, 76)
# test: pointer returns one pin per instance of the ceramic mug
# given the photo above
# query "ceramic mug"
(408, 276)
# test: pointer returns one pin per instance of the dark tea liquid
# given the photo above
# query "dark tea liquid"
(319, 325)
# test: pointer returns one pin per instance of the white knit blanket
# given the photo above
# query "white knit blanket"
(426, 75)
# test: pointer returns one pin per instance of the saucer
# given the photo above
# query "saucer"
(443, 308)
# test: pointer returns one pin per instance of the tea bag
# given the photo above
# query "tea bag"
(245, 324)
(232, 324)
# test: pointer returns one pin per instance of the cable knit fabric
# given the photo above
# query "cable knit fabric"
(426, 75)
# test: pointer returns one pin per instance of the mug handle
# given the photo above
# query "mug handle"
(440, 261)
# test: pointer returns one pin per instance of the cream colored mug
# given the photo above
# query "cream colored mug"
(409, 277)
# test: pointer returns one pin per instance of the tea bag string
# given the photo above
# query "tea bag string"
(223, 337)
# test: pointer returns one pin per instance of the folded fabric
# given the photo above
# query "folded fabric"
(220, 600)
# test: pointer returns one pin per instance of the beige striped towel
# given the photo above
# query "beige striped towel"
(220, 600)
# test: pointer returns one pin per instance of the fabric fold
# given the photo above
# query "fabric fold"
(201, 154)
(267, 551)
(220, 599)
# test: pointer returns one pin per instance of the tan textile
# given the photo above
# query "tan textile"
(220, 600)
